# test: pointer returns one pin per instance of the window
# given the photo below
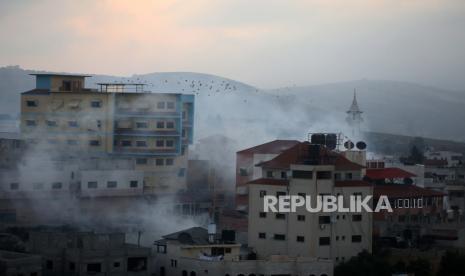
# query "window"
(243, 172)
(72, 266)
(14, 186)
(302, 174)
(169, 161)
(116, 264)
(170, 125)
(141, 144)
(92, 184)
(323, 175)
(227, 250)
(57, 185)
(32, 103)
(357, 238)
(262, 214)
(280, 216)
(161, 248)
(356, 217)
(337, 176)
(174, 263)
(137, 264)
(300, 238)
(66, 85)
(279, 237)
(133, 183)
(94, 268)
(182, 172)
(49, 264)
(262, 193)
(183, 133)
(112, 184)
(37, 186)
(161, 124)
(160, 143)
(283, 175)
(169, 143)
(96, 104)
(99, 123)
(324, 241)
(51, 123)
(170, 105)
(278, 194)
(159, 162)
(126, 143)
(348, 176)
(300, 218)
(262, 235)
(161, 105)
(73, 124)
(184, 115)
(324, 219)
(141, 161)
(94, 143)
(269, 174)
(31, 123)
(142, 125)
(72, 142)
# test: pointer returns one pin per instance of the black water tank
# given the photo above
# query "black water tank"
(228, 236)
(331, 141)
(318, 139)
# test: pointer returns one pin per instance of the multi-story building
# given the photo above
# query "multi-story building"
(309, 170)
(117, 121)
(15, 263)
(195, 252)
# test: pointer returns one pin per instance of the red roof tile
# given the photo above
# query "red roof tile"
(300, 153)
(270, 181)
(403, 190)
(388, 173)
(276, 146)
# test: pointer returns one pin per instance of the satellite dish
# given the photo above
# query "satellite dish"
(348, 145)
(361, 145)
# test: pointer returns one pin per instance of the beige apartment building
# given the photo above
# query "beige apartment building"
(309, 170)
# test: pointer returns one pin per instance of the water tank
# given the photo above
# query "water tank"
(331, 141)
(318, 139)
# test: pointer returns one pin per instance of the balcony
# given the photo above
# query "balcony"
(130, 112)
(144, 151)
(138, 132)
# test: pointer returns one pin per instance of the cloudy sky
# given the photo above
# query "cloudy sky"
(267, 43)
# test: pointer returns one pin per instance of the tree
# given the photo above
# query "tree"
(420, 267)
(452, 264)
(364, 264)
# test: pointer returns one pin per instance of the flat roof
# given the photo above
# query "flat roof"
(60, 75)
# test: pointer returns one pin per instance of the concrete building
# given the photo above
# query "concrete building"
(452, 159)
(311, 170)
(87, 253)
(15, 263)
(193, 252)
(118, 121)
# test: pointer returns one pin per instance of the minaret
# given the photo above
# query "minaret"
(354, 116)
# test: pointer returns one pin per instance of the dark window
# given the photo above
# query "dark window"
(324, 219)
(356, 238)
(160, 124)
(161, 249)
(94, 143)
(323, 175)
(324, 241)
(137, 264)
(92, 184)
(72, 142)
(141, 161)
(142, 125)
(96, 104)
(227, 250)
(32, 103)
(14, 186)
(243, 172)
(169, 124)
(126, 143)
(161, 105)
(300, 217)
(280, 216)
(57, 185)
(159, 162)
(66, 85)
(160, 143)
(51, 123)
(262, 235)
(356, 217)
(133, 183)
(169, 143)
(300, 239)
(116, 264)
(73, 124)
(72, 266)
(31, 123)
(302, 174)
(112, 184)
(337, 176)
(262, 193)
(348, 176)
(141, 143)
(262, 214)
(169, 161)
(184, 115)
(279, 237)
(284, 175)
(182, 172)
(49, 264)
(269, 174)
(94, 268)
(170, 105)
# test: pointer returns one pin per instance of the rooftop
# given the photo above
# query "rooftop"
(403, 191)
(273, 147)
(388, 173)
(60, 75)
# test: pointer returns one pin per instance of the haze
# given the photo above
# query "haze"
(265, 43)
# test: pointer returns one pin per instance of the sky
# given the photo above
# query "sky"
(265, 43)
